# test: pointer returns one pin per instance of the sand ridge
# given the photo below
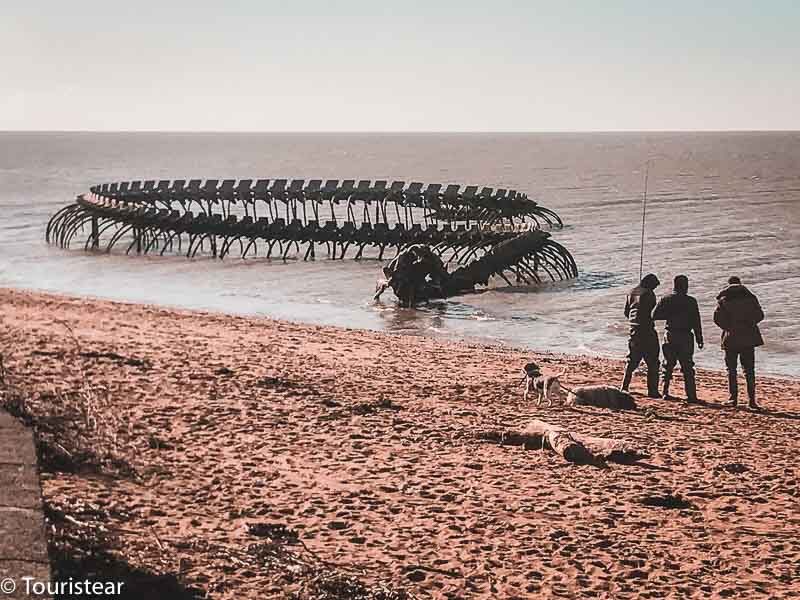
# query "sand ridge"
(366, 444)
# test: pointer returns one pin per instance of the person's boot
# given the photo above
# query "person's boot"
(733, 388)
(652, 383)
(665, 388)
(690, 386)
(626, 381)
(751, 391)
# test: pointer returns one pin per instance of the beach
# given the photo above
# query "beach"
(370, 449)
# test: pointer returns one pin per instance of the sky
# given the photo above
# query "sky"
(358, 65)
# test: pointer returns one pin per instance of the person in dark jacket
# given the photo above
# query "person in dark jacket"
(643, 340)
(738, 314)
(682, 315)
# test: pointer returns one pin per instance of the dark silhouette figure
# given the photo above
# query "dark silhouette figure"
(682, 315)
(738, 314)
(643, 340)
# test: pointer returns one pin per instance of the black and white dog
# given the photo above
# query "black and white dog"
(547, 387)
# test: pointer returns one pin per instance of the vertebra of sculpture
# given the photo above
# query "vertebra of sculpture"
(486, 233)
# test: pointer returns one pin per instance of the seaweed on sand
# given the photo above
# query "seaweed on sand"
(83, 548)
(316, 578)
(74, 432)
(672, 501)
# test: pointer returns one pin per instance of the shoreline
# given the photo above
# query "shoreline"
(475, 341)
(367, 446)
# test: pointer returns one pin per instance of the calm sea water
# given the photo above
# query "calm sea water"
(719, 204)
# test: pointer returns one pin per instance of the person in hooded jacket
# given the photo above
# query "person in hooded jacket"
(682, 315)
(738, 314)
(643, 339)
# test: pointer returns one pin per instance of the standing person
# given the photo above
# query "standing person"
(643, 340)
(738, 314)
(682, 315)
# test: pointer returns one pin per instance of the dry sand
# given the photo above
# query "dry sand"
(264, 420)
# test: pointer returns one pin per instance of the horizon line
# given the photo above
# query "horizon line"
(398, 131)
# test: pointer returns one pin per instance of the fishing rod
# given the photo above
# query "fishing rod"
(644, 217)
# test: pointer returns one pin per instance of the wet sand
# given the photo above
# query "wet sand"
(367, 445)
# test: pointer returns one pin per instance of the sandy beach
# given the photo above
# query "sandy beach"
(368, 447)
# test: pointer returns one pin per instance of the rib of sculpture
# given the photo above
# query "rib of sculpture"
(484, 233)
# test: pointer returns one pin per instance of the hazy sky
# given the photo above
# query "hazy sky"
(491, 65)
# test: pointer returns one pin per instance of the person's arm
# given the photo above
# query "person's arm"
(697, 324)
(648, 304)
(721, 316)
(659, 313)
(627, 306)
(759, 313)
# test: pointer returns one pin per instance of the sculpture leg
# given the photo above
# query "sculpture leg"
(95, 234)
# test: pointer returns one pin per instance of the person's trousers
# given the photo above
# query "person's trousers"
(747, 358)
(643, 346)
(678, 348)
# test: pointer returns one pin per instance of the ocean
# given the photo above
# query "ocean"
(719, 204)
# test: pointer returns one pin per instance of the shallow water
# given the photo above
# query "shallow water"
(718, 204)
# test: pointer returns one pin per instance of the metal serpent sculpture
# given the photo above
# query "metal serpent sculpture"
(488, 233)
